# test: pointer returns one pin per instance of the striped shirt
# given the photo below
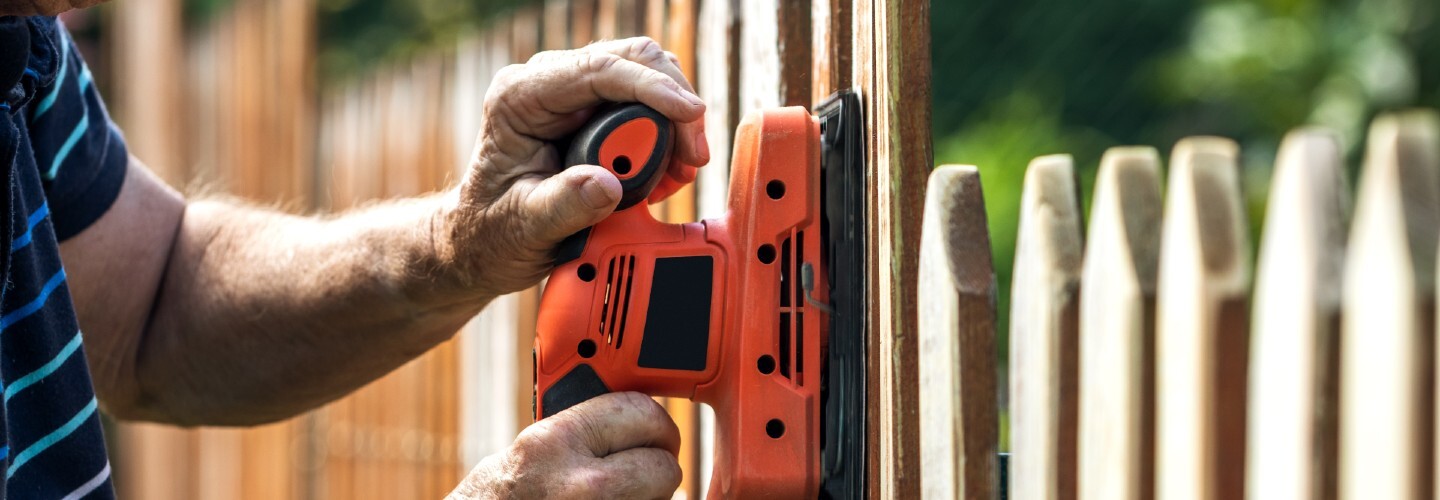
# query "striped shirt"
(63, 162)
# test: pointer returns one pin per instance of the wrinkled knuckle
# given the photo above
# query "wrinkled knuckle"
(532, 438)
(599, 62)
(588, 483)
(675, 59)
(647, 407)
(666, 464)
(646, 48)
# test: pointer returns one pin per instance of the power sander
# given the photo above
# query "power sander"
(759, 313)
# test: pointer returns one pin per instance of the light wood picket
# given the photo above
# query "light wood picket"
(1201, 336)
(1117, 321)
(1388, 327)
(1044, 326)
(956, 300)
(1295, 355)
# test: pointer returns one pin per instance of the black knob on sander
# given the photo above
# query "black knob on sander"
(632, 141)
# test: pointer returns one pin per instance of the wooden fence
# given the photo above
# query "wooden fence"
(1139, 368)
(233, 108)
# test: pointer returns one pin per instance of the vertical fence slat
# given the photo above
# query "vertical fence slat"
(557, 25)
(1202, 335)
(1388, 325)
(1117, 318)
(891, 48)
(956, 330)
(1294, 363)
(582, 22)
(830, 47)
(1044, 323)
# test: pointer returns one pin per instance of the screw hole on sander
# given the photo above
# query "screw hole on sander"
(766, 253)
(775, 428)
(586, 273)
(586, 348)
(775, 189)
(621, 164)
(765, 364)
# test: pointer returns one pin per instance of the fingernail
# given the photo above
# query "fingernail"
(594, 195)
(694, 99)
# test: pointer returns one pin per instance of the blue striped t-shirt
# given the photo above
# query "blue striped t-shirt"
(63, 163)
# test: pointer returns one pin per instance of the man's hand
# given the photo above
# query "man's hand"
(502, 224)
(620, 445)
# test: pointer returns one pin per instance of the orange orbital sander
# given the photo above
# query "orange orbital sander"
(758, 313)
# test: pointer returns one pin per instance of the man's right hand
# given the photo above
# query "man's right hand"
(620, 445)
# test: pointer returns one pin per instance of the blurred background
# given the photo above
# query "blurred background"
(1011, 81)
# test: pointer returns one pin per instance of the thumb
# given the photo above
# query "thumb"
(574, 199)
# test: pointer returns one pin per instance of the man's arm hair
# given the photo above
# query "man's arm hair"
(214, 312)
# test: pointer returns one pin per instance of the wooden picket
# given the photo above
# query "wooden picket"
(1044, 350)
(1387, 334)
(1202, 324)
(1117, 350)
(956, 300)
(1294, 365)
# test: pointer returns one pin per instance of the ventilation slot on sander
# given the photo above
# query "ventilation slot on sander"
(792, 309)
(616, 307)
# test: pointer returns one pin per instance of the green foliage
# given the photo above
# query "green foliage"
(1015, 80)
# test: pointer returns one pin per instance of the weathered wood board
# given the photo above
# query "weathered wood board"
(1044, 333)
(1296, 339)
(956, 298)
(1388, 326)
(1202, 334)
(1117, 321)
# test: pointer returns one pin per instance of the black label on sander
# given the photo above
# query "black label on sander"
(677, 327)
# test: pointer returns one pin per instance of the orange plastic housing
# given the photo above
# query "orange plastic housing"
(762, 341)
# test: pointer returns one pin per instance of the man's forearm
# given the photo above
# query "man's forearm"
(262, 315)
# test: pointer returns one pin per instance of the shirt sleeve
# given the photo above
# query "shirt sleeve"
(80, 153)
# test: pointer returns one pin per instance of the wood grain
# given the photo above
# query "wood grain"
(1044, 333)
(956, 330)
(1296, 339)
(891, 47)
(1117, 324)
(1202, 335)
(1388, 326)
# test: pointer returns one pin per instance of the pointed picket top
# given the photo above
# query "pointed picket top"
(1294, 357)
(1387, 363)
(956, 301)
(1201, 339)
(1044, 332)
(1117, 323)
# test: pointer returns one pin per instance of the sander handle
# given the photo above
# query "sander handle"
(632, 141)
